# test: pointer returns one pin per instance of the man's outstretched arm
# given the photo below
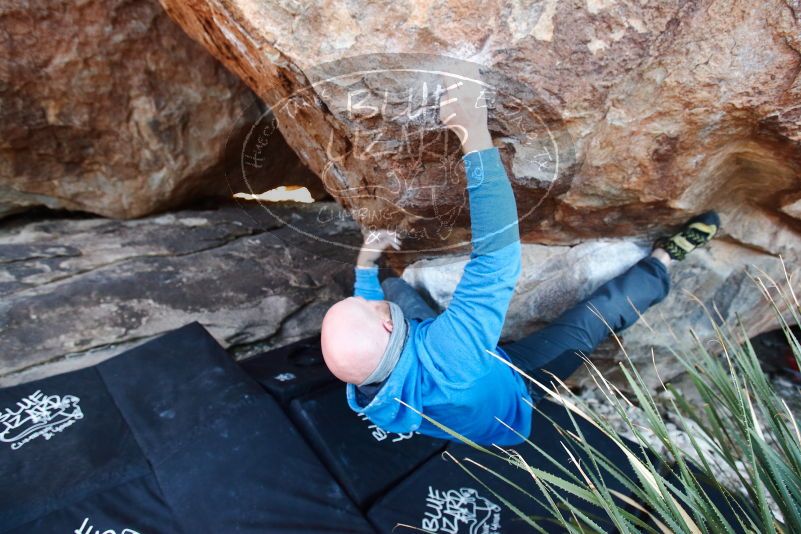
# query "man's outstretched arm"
(474, 319)
(366, 284)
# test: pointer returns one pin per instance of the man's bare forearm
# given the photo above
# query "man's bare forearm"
(366, 261)
(478, 138)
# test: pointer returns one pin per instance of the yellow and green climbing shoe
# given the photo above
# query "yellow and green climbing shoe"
(697, 232)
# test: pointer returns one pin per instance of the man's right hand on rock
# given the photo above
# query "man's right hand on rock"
(463, 109)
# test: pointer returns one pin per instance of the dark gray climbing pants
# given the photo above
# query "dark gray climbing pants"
(558, 347)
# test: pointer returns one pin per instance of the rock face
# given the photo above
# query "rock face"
(74, 291)
(658, 111)
(556, 277)
(671, 108)
(108, 107)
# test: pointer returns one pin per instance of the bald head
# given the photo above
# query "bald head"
(355, 333)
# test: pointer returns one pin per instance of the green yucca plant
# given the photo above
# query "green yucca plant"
(741, 425)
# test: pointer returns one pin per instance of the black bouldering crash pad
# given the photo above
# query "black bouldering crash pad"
(171, 436)
(365, 459)
(290, 371)
(441, 497)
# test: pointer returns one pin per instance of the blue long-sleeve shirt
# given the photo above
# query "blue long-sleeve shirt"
(443, 370)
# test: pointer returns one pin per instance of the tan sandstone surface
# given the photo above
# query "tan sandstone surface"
(108, 107)
(661, 110)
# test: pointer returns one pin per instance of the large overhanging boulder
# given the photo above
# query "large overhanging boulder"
(658, 111)
(108, 107)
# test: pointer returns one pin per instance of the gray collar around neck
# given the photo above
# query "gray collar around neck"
(397, 339)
